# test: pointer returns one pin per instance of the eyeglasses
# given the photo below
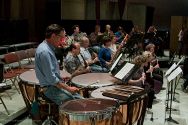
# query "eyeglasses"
(59, 35)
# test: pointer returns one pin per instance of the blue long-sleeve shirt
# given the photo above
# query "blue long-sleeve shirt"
(104, 55)
(46, 65)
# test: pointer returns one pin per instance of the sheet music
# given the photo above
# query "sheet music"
(126, 68)
(115, 63)
(174, 74)
(170, 69)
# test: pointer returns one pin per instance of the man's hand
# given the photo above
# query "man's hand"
(96, 59)
(88, 69)
(108, 63)
(72, 89)
(66, 79)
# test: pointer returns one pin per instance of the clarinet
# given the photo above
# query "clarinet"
(151, 74)
(142, 76)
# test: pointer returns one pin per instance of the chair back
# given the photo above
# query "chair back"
(21, 54)
(1, 72)
(31, 52)
(11, 58)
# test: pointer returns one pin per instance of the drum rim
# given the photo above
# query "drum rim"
(87, 116)
(110, 107)
(92, 86)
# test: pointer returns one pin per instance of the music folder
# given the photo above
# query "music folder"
(116, 62)
(174, 74)
(125, 73)
(173, 67)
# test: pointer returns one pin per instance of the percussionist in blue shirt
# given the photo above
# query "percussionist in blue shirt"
(47, 68)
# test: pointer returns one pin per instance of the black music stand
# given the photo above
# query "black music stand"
(169, 71)
(170, 89)
(126, 71)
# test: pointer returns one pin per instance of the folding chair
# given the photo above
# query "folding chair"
(13, 69)
(24, 61)
(31, 53)
(3, 87)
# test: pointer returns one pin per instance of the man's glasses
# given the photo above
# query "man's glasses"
(59, 35)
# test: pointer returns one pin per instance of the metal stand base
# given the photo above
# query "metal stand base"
(172, 120)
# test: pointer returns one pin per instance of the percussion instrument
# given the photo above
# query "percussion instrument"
(133, 101)
(90, 81)
(30, 87)
(89, 112)
(101, 79)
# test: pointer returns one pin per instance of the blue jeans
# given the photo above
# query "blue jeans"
(59, 96)
(97, 68)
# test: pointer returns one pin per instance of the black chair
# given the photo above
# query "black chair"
(49, 120)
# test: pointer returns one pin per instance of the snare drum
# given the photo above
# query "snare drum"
(132, 106)
(89, 112)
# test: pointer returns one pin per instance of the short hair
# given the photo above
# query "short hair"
(53, 28)
(74, 27)
(106, 39)
(73, 46)
(149, 46)
(83, 39)
(112, 36)
(97, 26)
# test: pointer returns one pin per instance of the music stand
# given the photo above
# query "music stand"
(125, 73)
(116, 62)
(170, 82)
(170, 70)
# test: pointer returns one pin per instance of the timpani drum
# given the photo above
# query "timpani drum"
(29, 85)
(132, 100)
(91, 81)
(30, 89)
(89, 112)
(96, 79)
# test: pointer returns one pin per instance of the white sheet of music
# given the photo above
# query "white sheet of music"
(115, 63)
(170, 69)
(126, 68)
(174, 74)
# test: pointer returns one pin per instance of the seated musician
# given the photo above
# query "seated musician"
(153, 79)
(60, 50)
(139, 78)
(120, 34)
(108, 31)
(157, 73)
(47, 68)
(105, 54)
(93, 36)
(77, 35)
(113, 45)
(73, 63)
(89, 55)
